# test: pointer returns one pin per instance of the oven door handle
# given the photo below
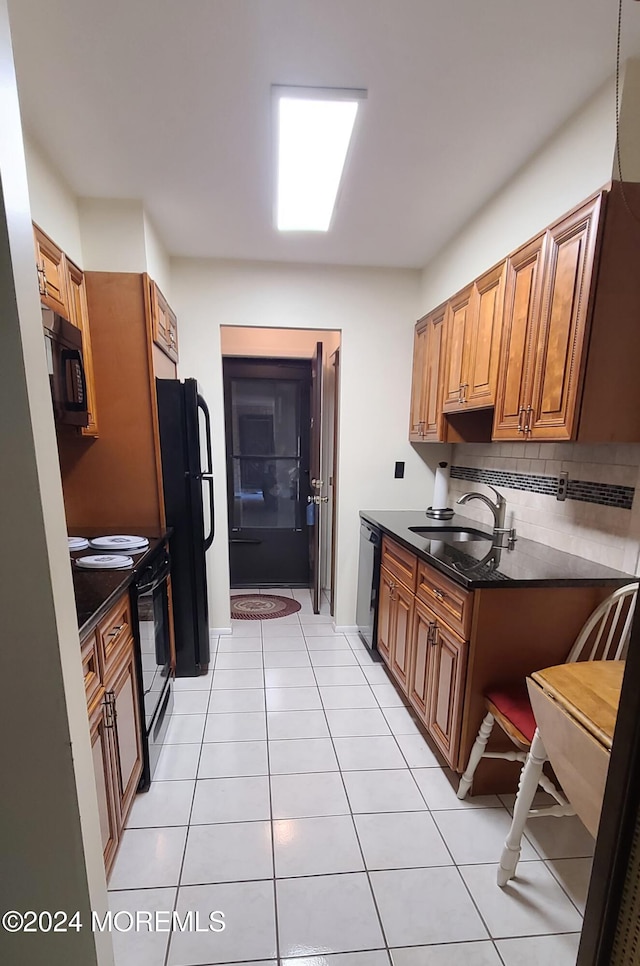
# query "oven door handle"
(157, 580)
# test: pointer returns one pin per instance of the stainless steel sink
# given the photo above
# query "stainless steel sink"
(450, 534)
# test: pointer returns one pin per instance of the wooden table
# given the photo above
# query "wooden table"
(575, 706)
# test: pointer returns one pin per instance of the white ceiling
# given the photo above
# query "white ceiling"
(168, 101)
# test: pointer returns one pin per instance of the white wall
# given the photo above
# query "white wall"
(113, 238)
(54, 207)
(375, 311)
(157, 259)
(570, 167)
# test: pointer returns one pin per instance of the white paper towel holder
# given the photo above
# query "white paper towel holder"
(440, 513)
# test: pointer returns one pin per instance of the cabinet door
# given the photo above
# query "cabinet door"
(401, 640)
(519, 330)
(385, 614)
(127, 733)
(484, 339)
(79, 315)
(562, 335)
(51, 273)
(446, 673)
(103, 766)
(164, 325)
(455, 381)
(424, 622)
(433, 423)
(418, 381)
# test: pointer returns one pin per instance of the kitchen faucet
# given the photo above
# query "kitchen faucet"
(502, 536)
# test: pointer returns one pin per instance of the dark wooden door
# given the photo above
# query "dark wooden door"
(267, 427)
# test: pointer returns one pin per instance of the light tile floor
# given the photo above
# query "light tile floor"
(296, 794)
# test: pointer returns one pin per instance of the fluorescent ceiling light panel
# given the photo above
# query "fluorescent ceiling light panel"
(314, 131)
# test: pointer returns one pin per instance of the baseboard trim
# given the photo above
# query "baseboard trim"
(220, 631)
(346, 628)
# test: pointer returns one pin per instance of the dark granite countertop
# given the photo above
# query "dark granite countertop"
(478, 564)
(96, 590)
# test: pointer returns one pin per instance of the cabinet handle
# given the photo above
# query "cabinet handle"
(520, 412)
(432, 632)
(527, 427)
(110, 709)
(42, 273)
(116, 630)
(465, 386)
(460, 390)
(438, 594)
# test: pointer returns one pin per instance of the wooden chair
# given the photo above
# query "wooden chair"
(604, 637)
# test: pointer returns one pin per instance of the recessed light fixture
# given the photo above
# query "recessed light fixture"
(314, 131)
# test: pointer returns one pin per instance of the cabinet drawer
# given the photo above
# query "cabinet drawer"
(91, 670)
(114, 630)
(446, 599)
(400, 562)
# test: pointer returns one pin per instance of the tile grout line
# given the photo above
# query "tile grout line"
(186, 839)
(276, 922)
(354, 825)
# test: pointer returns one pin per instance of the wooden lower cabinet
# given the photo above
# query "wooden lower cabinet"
(395, 615)
(446, 678)
(115, 727)
(385, 600)
(127, 738)
(403, 604)
(102, 750)
(436, 679)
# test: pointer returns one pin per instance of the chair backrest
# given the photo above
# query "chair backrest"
(605, 635)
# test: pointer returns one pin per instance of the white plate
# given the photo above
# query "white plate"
(105, 561)
(78, 543)
(120, 541)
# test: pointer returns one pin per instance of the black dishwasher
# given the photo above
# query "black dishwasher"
(368, 582)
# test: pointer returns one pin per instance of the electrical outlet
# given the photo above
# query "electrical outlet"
(563, 486)
(399, 470)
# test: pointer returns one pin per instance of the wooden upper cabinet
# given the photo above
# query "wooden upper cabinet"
(484, 339)
(164, 324)
(457, 354)
(474, 328)
(562, 333)
(519, 327)
(79, 315)
(418, 382)
(52, 276)
(427, 421)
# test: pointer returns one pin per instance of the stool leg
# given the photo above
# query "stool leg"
(527, 786)
(476, 754)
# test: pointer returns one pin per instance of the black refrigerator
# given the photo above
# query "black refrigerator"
(187, 473)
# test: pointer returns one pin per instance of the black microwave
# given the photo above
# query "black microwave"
(63, 343)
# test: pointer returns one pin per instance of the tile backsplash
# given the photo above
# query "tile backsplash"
(600, 518)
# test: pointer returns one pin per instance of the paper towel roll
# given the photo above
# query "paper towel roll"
(441, 487)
